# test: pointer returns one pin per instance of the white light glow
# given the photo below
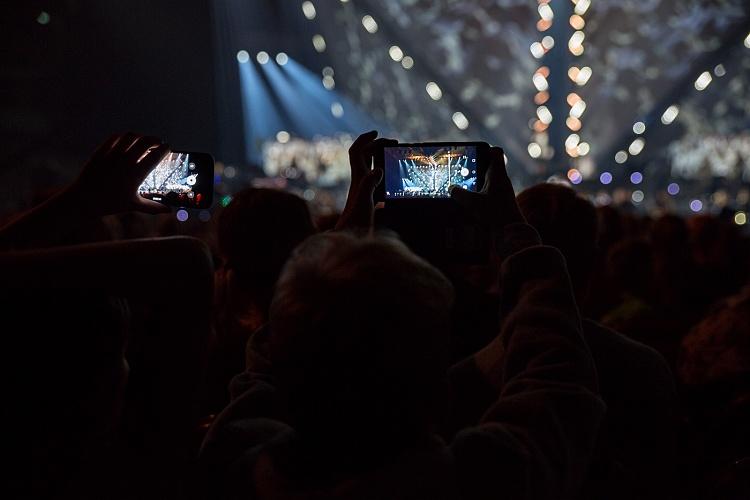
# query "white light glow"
(621, 157)
(544, 114)
(545, 12)
(720, 70)
(337, 110)
(639, 128)
(540, 82)
(369, 23)
(243, 56)
(282, 136)
(308, 9)
(582, 6)
(636, 146)
(747, 41)
(407, 62)
(537, 50)
(548, 42)
(703, 81)
(572, 141)
(670, 114)
(576, 40)
(583, 75)
(396, 53)
(578, 108)
(282, 58)
(434, 91)
(584, 148)
(460, 120)
(319, 43)
(535, 150)
(262, 57)
(328, 82)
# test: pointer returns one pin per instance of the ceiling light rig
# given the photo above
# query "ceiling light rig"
(574, 146)
(539, 147)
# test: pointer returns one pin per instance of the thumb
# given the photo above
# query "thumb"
(371, 181)
(151, 207)
(467, 199)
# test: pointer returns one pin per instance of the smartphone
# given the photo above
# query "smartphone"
(427, 170)
(182, 179)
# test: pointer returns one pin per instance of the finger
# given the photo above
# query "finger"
(371, 181)
(465, 198)
(150, 207)
(142, 146)
(152, 158)
(358, 159)
(106, 146)
(126, 140)
(377, 160)
(363, 139)
(498, 180)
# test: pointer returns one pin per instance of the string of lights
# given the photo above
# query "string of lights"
(539, 147)
(576, 148)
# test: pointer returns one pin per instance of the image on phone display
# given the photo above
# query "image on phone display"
(428, 171)
(180, 179)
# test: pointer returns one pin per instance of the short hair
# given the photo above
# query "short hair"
(258, 231)
(564, 220)
(360, 333)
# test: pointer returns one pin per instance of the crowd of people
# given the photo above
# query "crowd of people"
(584, 353)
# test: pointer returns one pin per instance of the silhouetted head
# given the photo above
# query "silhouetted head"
(258, 231)
(566, 221)
(359, 340)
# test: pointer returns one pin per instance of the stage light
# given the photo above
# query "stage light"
(582, 6)
(621, 157)
(582, 77)
(670, 114)
(636, 146)
(548, 42)
(328, 82)
(542, 25)
(262, 57)
(543, 70)
(396, 53)
(282, 136)
(243, 56)
(369, 23)
(182, 215)
(544, 114)
(605, 178)
(308, 9)
(577, 22)
(639, 128)
(673, 189)
(740, 218)
(327, 71)
(747, 41)
(719, 70)
(572, 141)
(407, 62)
(573, 98)
(545, 12)
(337, 110)
(540, 82)
(574, 176)
(282, 58)
(577, 38)
(537, 50)
(43, 18)
(535, 150)
(573, 72)
(576, 111)
(460, 120)
(577, 51)
(573, 123)
(696, 205)
(541, 97)
(637, 196)
(636, 177)
(703, 81)
(319, 43)
(434, 91)
(583, 149)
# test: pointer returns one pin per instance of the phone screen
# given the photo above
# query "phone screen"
(181, 179)
(427, 171)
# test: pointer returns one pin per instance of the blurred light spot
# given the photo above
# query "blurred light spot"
(537, 50)
(573, 123)
(535, 150)
(541, 97)
(636, 177)
(544, 114)
(673, 188)
(308, 9)
(204, 215)
(337, 109)
(545, 12)
(319, 43)
(243, 56)
(572, 141)
(573, 98)
(328, 82)
(225, 200)
(703, 81)
(740, 218)
(548, 42)
(747, 41)
(43, 18)
(182, 215)
(369, 23)
(637, 196)
(540, 82)
(308, 194)
(670, 114)
(230, 172)
(282, 136)
(262, 57)
(282, 58)
(542, 25)
(636, 146)
(460, 120)
(583, 76)
(583, 149)
(574, 176)
(605, 178)
(719, 70)
(396, 53)
(696, 205)
(582, 6)
(407, 62)
(639, 128)
(578, 108)
(577, 22)
(434, 91)
(621, 157)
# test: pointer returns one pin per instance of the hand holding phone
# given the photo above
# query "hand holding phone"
(181, 179)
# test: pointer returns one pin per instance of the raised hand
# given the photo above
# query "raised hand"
(495, 205)
(109, 181)
(359, 209)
